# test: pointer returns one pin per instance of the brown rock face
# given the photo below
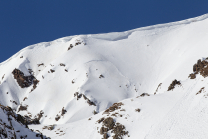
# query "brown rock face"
(105, 136)
(114, 107)
(24, 81)
(119, 131)
(109, 123)
(200, 67)
(173, 84)
(103, 130)
(111, 126)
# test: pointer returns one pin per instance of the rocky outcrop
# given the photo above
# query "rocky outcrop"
(109, 125)
(114, 107)
(78, 96)
(201, 67)
(13, 126)
(173, 84)
(24, 81)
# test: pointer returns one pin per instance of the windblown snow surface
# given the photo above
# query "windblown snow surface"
(81, 76)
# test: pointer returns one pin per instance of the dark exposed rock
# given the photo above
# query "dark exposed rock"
(105, 136)
(200, 67)
(101, 76)
(57, 117)
(103, 130)
(33, 121)
(21, 119)
(115, 114)
(109, 123)
(50, 127)
(144, 94)
(114, 107)
(13, 102)
(3, 76)
(40, 115)
(101, 119)
(119, 131)
(157, 88)
(24, 98)
(63, 111)
(173, 84)
(76, 94)
(31, 71)
(3, 132)
(52, 70)
(85, 97)
(24, 81)
(25, 120)
(70, 47)
(40, 64)
(77, 43)
(200, 91)
(61, 64)
(138, 110)
(90, 102)
(192, 76)
(22, 108)
(35, 82)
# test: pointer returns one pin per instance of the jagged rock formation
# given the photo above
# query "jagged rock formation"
(24, 81)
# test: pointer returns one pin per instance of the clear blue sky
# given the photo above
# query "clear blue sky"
(26, 22)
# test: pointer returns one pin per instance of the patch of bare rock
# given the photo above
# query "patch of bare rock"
(24, 81)
(109, 125)
(201, 67)
(78, 96)
(173, 84)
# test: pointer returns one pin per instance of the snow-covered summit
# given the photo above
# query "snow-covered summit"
(68, 80)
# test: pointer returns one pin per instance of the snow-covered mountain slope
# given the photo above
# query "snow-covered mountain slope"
(13, 126)
(177, 114)
(66, 81)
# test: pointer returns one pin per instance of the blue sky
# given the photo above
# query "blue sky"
(26, 22)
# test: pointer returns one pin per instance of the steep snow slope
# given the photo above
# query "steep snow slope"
(180, 113)
(86, 74)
